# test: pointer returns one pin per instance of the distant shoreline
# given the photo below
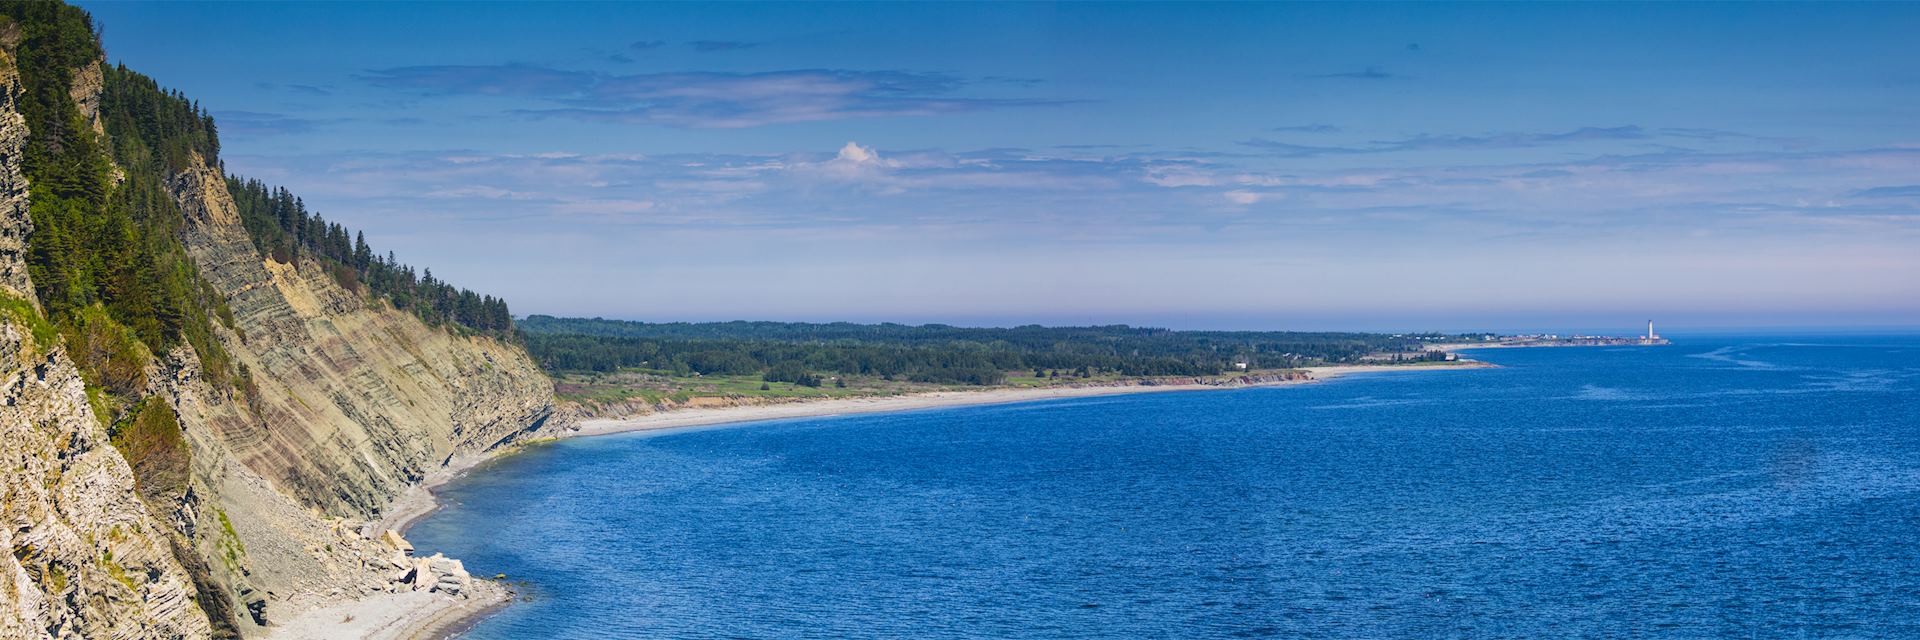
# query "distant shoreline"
(700, 417)
(421, 616)
(1552, 343)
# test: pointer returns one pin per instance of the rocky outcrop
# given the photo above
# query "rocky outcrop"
(14, 221)
(88, 82)
(87, 559)
(438, 573)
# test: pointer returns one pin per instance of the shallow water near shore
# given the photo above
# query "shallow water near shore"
(1717, 487)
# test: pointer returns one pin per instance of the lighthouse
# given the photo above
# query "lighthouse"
(1651, 336)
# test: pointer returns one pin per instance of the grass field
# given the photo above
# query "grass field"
(656, 386)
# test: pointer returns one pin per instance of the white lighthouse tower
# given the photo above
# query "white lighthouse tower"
(1651, 336)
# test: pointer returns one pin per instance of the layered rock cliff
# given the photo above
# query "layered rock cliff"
(355, 400)
(15, 222)
(88, 560)
(209, 500)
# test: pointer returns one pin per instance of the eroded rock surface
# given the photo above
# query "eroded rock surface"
(86, 559)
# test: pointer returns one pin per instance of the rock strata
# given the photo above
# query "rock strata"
(87, 559)
(349, 403)
(333, 404)
(14, 221)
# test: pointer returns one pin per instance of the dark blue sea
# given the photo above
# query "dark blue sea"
(1720, 487)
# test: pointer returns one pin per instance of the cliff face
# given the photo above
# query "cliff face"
(87, 560)
(345, 403)
(14, 221)
(211, 508)
(355, 400)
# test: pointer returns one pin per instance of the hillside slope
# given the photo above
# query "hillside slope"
(195, 434)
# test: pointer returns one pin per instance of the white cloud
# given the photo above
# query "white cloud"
(857, 154)
(477, 191)
(1179, 177)
(1242, 196)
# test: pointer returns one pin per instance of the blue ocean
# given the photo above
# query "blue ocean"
(1719, 487)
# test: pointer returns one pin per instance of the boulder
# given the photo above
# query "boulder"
(393, 540)
(451, 576)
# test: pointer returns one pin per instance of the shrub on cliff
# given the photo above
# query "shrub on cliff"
(156, 448)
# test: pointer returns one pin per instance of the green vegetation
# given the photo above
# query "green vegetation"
(108, 238)
(599, 362)
(283, 230)
(659, 387)
(110, 356)
(934, 354)
(21, 312)
(117, 572)
(111, 270)
(106, 254)
(231, 548)
(154, 445)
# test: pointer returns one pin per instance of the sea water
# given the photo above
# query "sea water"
(1765, 487)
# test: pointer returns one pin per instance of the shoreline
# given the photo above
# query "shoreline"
(703, 417)
(432, 616)
(409, 615)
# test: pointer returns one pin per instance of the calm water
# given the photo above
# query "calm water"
(1748, 488)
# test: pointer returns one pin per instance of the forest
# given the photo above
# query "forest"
(931, 353)
(105, 254)
(284, 231)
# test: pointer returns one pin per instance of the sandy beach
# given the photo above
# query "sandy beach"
(424, 615)
(410, 615)
(847, 406)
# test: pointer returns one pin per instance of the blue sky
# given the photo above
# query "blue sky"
(1377, 166)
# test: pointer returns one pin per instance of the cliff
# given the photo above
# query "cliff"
(88, 559)
(353, 400)
(210, 484)
(15, 221)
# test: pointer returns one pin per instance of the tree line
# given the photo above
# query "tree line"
(774, 361)
(105, 252)
(931, 353)
(284, 231)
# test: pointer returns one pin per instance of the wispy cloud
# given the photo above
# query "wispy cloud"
(1441, 142)
(1306, 128)
(705, 99)
(1293, 150)
(1907, 191)
(647, 45)
(296, 89)
(258, 123)
(491, 80)
(1512, 140)
(1740, 189)
(1369, 73)
(712, 46)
